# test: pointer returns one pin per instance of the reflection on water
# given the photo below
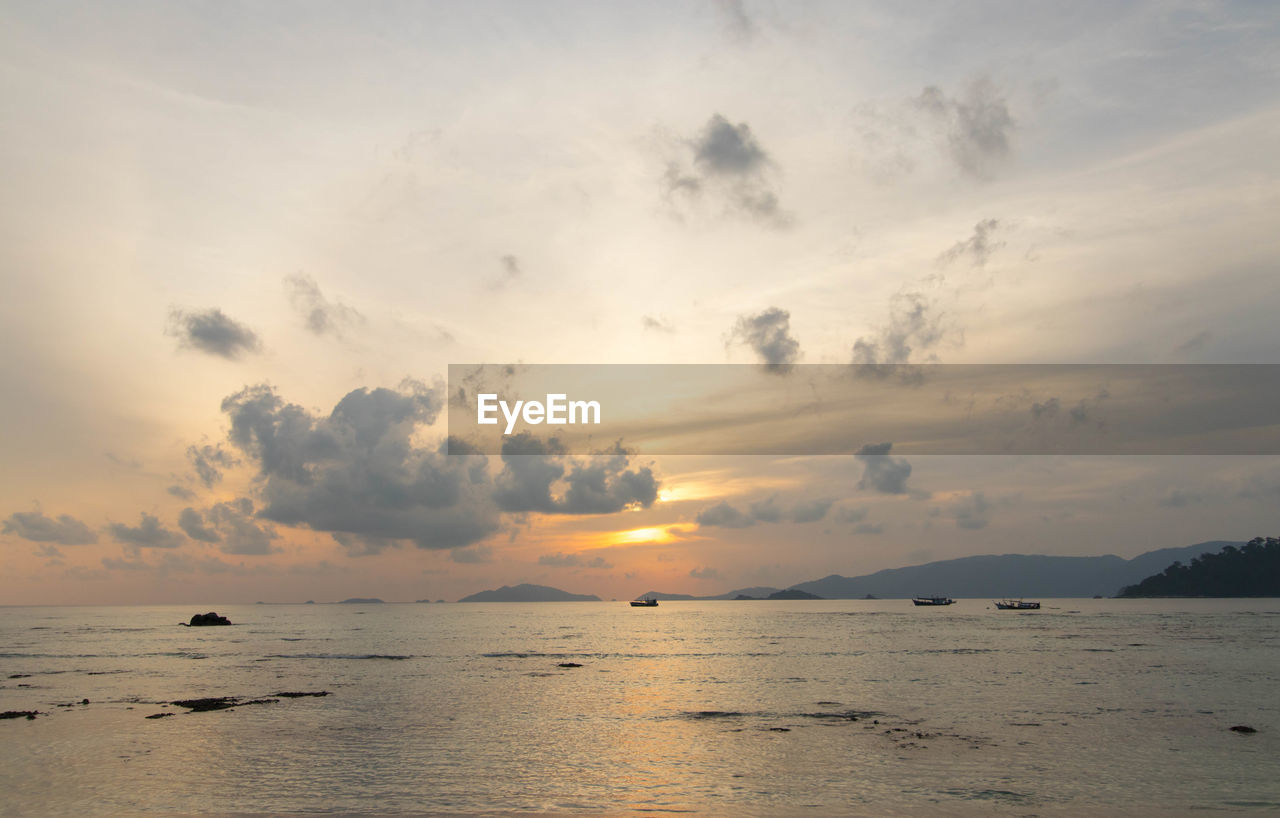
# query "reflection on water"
(763, 707)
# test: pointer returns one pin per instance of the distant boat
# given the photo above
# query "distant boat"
(646, 602)
(933, 600)
(1017, 605)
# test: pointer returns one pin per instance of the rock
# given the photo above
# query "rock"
(210, 618)
(20, 676)
(569, 664)
(159, 715)
(1243, 728)
(20, 714)
(300, 694)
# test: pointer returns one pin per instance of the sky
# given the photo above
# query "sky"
(241, 245)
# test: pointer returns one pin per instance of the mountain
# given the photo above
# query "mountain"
(360, 600)
(1253, 570)
(757, 592)
(1021, 575)
(529, 593)
(792, 593)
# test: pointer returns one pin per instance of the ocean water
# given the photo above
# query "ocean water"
(831, 707)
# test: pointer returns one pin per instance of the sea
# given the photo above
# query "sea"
(850, 707)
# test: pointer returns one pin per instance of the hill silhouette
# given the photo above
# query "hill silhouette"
(529, 593)
(1250, 570)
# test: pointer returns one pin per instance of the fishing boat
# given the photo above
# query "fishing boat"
(644, 602)
(933, 600)
(1016, 605)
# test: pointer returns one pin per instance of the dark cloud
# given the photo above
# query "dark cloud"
(192, 522)
(573, 560)
(914, 328)
(533, 469)
(213, 332)
(976, 126)
(181, 492)
(319, 315)
(727, 149)
(868, 528)
(769, 335)
(240, 533)
(208, 462)
(766, 511)
(34, 526)
(705, 572)
(723, 515)
(977, 248)
(148, 534)
(358, 471)
(881, 472)
(728, 162)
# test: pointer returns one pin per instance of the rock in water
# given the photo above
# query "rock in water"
(210, 618)
(1244, 728)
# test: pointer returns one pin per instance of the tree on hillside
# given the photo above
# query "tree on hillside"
(1253, 570)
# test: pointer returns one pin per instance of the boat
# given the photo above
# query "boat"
(933, 600)
(644, 602)
(1016, 605)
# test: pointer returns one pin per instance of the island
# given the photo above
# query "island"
(360, 600)
(528, 593)
(1249, 570)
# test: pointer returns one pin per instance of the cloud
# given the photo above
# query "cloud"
(192, 522)
(812, 511)
(913, 328)
(705, 572)
(358, 470)
(208, 461)
(769, 335)
(533, 469)
(657, 324)
(977, 248)
(34, 526)
(885, 474)
(1194, 344)
(1179, 498)
(148, 534)
(738, 24)
(181, 492)
(363, 545)
(240, 533)
(213, 332)
(970, 512)
(723, 515)
(726, 149)
(122, 461)
(728, 162)
(845, 514)
(868, 528)
(573, 560)
(319, 315)
(976, 126)
(510, 271)
(474, 555)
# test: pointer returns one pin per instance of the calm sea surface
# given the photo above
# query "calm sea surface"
(724, 707)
